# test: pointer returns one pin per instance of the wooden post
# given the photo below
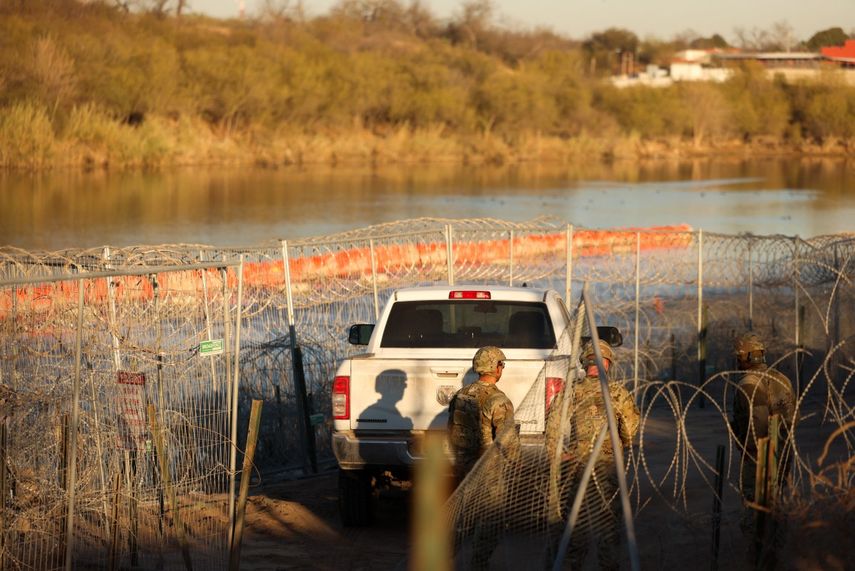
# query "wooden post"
(432, 549)
(245, 477)
(167, 484)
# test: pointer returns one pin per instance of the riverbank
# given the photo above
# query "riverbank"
(90, 140)
(91, 86)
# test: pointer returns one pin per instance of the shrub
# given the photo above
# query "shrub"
(26, 136)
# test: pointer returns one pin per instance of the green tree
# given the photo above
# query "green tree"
(605, 47)
(758, 106)
(707, 110)
(830, 37)
(714, 41)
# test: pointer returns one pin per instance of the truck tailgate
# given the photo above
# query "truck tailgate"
(407, 394)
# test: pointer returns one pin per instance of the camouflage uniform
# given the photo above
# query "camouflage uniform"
(479, 415)
(586, 416)
(762, 393)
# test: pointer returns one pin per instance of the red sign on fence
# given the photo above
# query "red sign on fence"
(131, 404)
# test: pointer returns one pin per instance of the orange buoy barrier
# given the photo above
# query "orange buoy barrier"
(351, 262)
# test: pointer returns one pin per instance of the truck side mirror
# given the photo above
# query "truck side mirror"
(360, 333)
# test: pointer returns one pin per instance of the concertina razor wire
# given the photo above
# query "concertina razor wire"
(679, 296)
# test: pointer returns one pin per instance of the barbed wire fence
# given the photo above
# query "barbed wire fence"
(678, 295)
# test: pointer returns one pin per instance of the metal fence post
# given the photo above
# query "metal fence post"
(796, 334)
(158, 342)
(75, 419)
(115, 342)
(637, 309)
(750, 287)
(568, 287)
(617, 447)
(374, 280)
(160, 398)
(701, 327)
(224, 276)
(306, 430)
(234, 410)
(215, 382)
(511, 259)
(835, 324)
(3, 486)
(111, 299)
(717, 501)
(449, 252)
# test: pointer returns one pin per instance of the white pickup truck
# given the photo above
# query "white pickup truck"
(417, 356)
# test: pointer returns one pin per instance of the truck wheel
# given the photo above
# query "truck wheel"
(354, 497)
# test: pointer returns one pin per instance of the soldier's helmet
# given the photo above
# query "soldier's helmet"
(587, 355)
(746, 344)
(487, 359)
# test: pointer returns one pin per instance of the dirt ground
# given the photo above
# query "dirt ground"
(295, 525)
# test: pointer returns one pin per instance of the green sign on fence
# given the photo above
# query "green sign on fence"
(211, 348)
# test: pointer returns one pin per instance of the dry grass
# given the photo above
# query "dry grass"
(89, 137)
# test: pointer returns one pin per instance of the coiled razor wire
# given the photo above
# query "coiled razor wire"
(666, 289)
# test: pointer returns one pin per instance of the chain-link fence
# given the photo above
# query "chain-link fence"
(280, 311)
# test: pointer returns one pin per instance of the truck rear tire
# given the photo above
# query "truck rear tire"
(354, 497)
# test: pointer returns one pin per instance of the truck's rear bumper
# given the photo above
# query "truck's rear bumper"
(355, 453)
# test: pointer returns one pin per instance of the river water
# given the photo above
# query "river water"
(241, 207)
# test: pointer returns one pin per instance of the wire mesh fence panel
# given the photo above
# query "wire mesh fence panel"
(92, 470)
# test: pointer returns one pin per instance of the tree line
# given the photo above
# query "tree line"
(90, 74)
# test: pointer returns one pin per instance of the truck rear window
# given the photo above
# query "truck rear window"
(468, 324)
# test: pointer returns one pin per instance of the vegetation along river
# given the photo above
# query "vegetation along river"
(61, 209)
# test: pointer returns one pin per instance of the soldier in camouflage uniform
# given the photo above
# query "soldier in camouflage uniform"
(480, 416)
(762, 392)
(585, 417)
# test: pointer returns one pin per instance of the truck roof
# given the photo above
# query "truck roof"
(502, 293)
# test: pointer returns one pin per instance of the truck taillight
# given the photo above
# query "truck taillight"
(553, 387)
(341, 398)
(468, 294)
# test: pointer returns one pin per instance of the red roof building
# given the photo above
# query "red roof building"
(842, 54)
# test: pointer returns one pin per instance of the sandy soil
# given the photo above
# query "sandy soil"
(295, 525)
